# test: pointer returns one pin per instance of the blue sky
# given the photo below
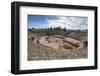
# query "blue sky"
(38, 21)
(68, 22)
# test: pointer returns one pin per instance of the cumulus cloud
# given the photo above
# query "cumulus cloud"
(69, 22)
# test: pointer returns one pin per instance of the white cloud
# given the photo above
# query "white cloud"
(69, 22)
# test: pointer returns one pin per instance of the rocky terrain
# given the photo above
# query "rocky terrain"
(45, 47)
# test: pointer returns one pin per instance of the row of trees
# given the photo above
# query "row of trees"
(55, 31)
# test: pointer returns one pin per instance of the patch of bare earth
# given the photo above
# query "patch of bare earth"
(55, 47)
